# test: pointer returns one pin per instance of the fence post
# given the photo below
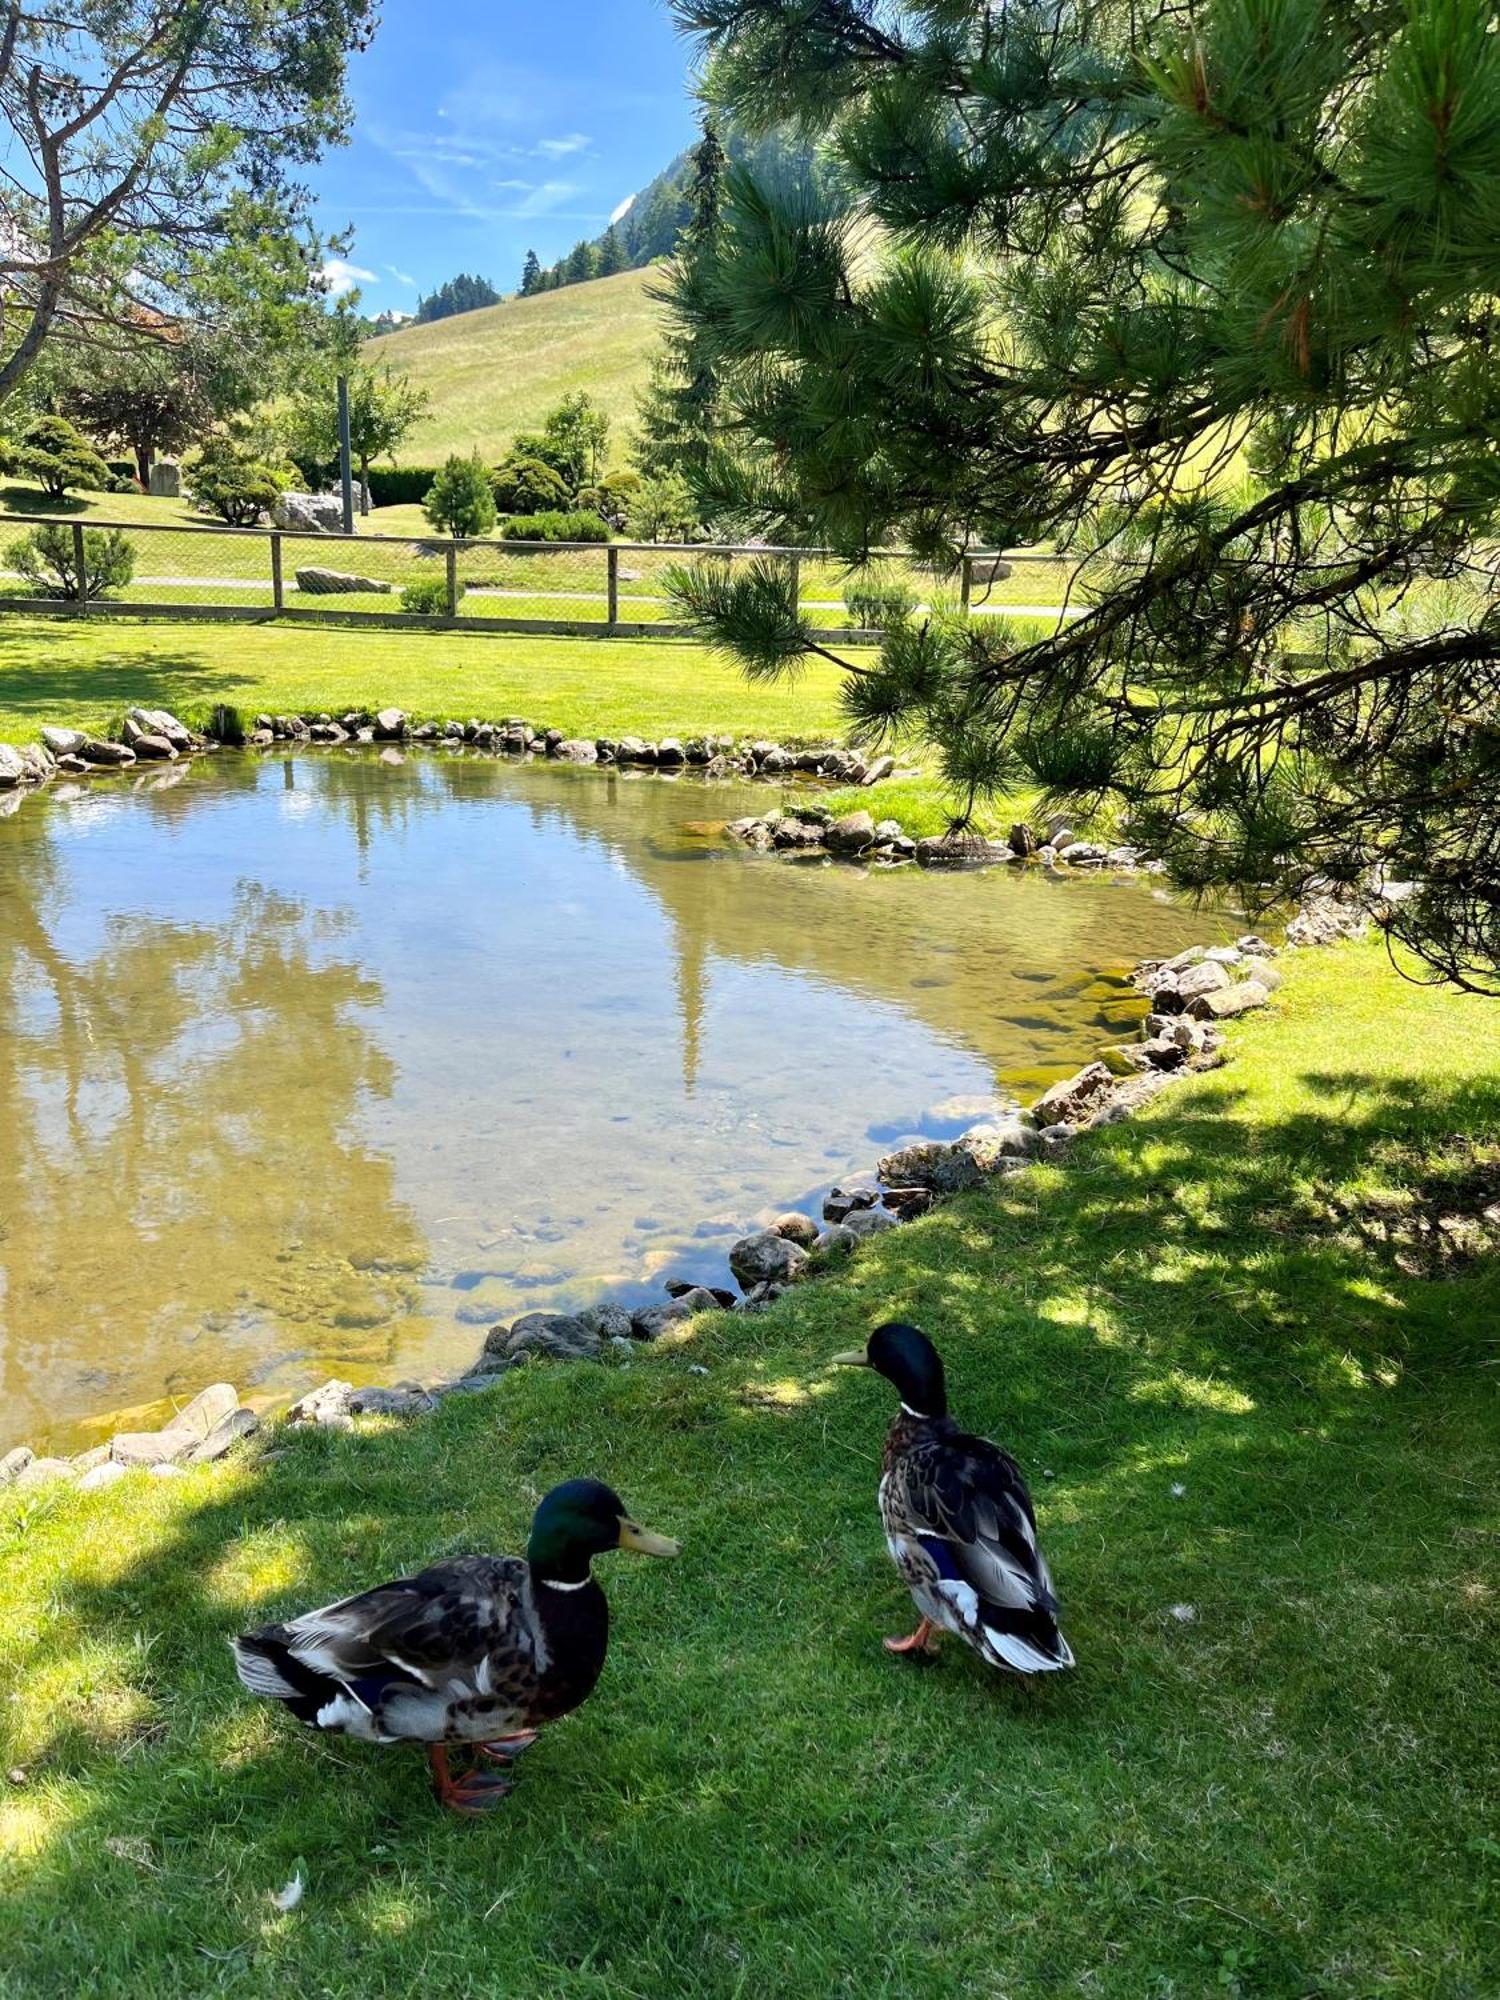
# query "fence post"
(278, 594)
(453, 579)
(80, 566)
(795, 578)
(614, 586)
(966, 584)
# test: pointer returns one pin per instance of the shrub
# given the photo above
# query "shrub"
(613, 496)
(664, 509)
(47, 558)
(580, 524)
(428, 596)
(60, 458)
(875, 603)
(398, 485)
(230, 480)
(460, 502)
(527, 486)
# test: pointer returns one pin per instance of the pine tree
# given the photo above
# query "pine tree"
(531, 274)
(678, 411)
(611, 253)
(580, 264)
(1209, 299)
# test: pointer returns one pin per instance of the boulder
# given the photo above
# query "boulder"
(866, 1222)
(1054, 1139)
(40, 1472)
(96, 751)
(838, 1239)
(1230, 1000)
(943, 1166)
(670, 752)
(633, 750)
(841, 1203)
(12, 767)
(1208, 976)
(1022, 839)
(881, 768)
(309, 513)
(15, 1463)
(1076, 1098)
(327, 1406)
(759, 1297)
(961, 850)
(152, 1447)
(161, 722)
(557, 1335)
(157, 747)
(208, 1409)
(852, 834)
(1325, 919)
(223, 1437)
(989, 569)
(651, 1322)
(63, 742)
(315, 581)
(99, 1476)
(406, 1399)
(610, 1322)
(907, 1203)
(796, 833)
(765, 1258)
(390, 724)
(796, 1228)
(576, 750)
(1162, 1052)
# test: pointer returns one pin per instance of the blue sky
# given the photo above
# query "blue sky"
(485, 128)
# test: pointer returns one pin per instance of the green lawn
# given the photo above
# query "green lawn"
(1261, 1429)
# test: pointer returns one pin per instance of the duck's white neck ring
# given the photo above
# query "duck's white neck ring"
(920, 1415)
(553, 1583)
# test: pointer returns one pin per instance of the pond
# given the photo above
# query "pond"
(322, 1063)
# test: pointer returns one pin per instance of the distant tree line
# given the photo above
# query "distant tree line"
(460, 295)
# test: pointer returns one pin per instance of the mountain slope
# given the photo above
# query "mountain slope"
(499, 370)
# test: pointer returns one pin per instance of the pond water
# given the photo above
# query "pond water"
(322, 1063)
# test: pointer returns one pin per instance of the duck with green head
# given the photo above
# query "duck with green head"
(958, 1520)
(481, 1650)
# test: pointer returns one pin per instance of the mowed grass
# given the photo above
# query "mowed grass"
(70, 671)
(1264, 1458)
(498, 371)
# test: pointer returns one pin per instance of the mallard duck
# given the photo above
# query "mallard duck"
(479, 1650)
(959, 1521)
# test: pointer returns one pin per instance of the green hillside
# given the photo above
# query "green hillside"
(497, 371)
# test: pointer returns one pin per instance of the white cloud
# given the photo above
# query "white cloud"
(402, 277)
(544, 200)
(340, 276)
(619, 214)
(559, 149)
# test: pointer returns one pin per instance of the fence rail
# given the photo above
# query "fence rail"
(578, 588)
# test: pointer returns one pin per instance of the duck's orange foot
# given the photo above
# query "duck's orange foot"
(506, 1749)
(923, 1641)
(476, 1793)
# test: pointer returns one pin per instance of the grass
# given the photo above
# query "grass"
(1232, 1396)
(495, 372)
(69, 671)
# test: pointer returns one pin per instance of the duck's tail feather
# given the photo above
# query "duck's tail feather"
(267, 1666)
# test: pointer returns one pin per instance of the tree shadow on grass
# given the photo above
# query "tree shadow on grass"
(55, 671)
(1269, 1445)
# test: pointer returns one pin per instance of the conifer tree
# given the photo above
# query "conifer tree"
(678, 410)
(1207, 296)
(531, 274)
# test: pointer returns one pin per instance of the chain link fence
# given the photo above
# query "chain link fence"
(99, 566)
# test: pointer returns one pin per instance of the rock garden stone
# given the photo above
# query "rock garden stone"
(15, 1463)
(41, 1472)
(12, 767)
(1163, 1052)
(796, 1228)
(223, 1437)
(759, 1297)
(576, 750)
(100, 1476)
(1022, 839)
(842, 1202)
(309, 513)
(796, 833)
(852, 834)
(158, 747)
(1208, 976)
(151, 1447)
(669, 752)
(327, 1406)
(943, 1166)
(651, 1322)
(1055, 1139)
(610, 1322)
(867, 1222)
(633, 750)
(881, 768)
(161, 722)
(405, 1400)
(390, 724)
(961, 850)
(765, 1258)
(1228, 1001)
(315, 581)
(838, 1239)
(96, 751)
(63, 742)
(908, 1203)
(557, 1335)
(1075, 1098)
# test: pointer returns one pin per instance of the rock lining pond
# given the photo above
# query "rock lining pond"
(313, 1064)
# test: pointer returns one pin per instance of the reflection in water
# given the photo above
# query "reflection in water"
(326, 1063)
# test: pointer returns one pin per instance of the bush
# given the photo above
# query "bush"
(613, 497)
(876, 603)
(228, 479)
(663, 509)
(428, 596)
(47, 558)
(60, 458)
(528, 486)
(580, 524)
(460, 502)
(398, 485)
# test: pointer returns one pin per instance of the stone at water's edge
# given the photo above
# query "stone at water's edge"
(610, 1322)
(12, 767)
(796, 1228)
(63, 742)
(96, 751)
(1230, 1000)
(390, 724)
(765, 1258)
(653, 1321)
(1074, 1100)
(575, 751)
(555, 1334)
(881, 768)
(850, 835)
(953, 1166)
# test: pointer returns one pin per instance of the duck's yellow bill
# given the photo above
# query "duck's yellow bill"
(856, 1358)
(640, 1541)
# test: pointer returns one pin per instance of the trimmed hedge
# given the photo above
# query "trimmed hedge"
(401, 485)
(581, 525)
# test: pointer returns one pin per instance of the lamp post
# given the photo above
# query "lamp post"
(346, 472)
